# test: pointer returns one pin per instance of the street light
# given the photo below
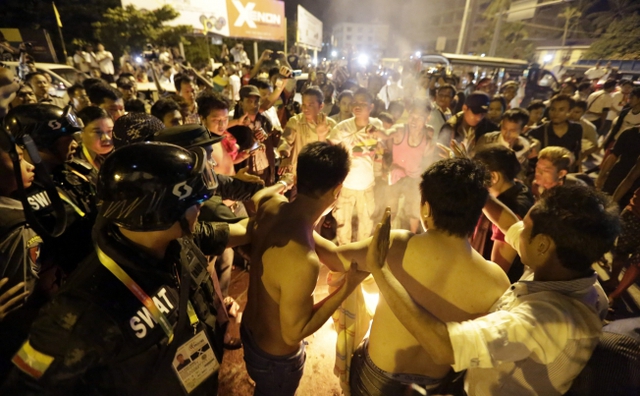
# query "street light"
(363, 59)
(334, 54)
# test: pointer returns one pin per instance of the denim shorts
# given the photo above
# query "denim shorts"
(273, 375)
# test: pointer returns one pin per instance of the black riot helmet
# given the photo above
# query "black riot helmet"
(45, 123)
(149, 186)
(38, 126)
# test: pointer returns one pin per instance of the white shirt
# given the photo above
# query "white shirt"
(105, 62)
(390, 92)
(272, 115)
(595, 73)
(83, 60)
(617, 103)
(629, 121)
(239, 56)
(589, 135)
(236, 83)
(361, 146)
(537, 338)
(596, 103)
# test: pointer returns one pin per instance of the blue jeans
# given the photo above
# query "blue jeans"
(273, 375)
(367, 379)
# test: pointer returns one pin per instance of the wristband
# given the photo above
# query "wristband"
(284, 183)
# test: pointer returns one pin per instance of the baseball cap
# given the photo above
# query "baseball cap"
(187, 136)
(249, 90)
(478, 102)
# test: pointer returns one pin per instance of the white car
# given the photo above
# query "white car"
(62, 76)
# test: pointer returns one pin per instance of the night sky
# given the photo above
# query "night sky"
(313, 6)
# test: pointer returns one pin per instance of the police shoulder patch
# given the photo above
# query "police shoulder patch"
(31, 361)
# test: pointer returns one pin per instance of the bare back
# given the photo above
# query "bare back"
(282, 256)
(452, 283)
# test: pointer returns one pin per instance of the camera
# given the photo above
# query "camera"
(150, 53)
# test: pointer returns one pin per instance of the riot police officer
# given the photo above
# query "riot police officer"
(141, 315)
(53, 130)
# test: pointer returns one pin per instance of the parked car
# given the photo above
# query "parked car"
(62, 76)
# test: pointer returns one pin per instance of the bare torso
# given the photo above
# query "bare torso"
(223, 159)
(275, 237)
(452, 283)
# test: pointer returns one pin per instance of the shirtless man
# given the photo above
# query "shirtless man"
(280, 310)
(457, 284)
(542, 331)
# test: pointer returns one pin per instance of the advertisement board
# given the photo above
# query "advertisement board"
(257, 19)
(309, 29)
(251, 19)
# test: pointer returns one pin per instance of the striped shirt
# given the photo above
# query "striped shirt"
(536, 339)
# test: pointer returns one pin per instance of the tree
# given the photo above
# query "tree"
(619, 41)
(130, 29)
(569, 14)
(618, 10)
(77, 18)
(496, 6)
(512, 43)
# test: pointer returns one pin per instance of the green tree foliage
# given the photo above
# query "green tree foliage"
(618, 10)
(513, 41)
(130, 29)
(619, 41)
(77, 17)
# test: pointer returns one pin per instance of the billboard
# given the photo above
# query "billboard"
(251, 19)
(309, 29)
(257, 19)
(520, 10)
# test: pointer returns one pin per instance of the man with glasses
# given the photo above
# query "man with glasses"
(442, 110)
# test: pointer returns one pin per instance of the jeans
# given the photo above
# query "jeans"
(273, 375)
(367, 379)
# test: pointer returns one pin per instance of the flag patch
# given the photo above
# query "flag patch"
(31, 361)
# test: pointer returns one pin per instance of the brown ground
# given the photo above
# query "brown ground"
(318, 379)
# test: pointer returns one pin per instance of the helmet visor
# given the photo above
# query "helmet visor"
(69, 122)
(205, 168)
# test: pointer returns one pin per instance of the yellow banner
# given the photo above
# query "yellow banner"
(55, 11)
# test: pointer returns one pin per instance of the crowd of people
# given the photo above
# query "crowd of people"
(122, 216)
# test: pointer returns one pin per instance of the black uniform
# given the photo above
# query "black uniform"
(229, 188)
(103, 340)
(78, 194)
